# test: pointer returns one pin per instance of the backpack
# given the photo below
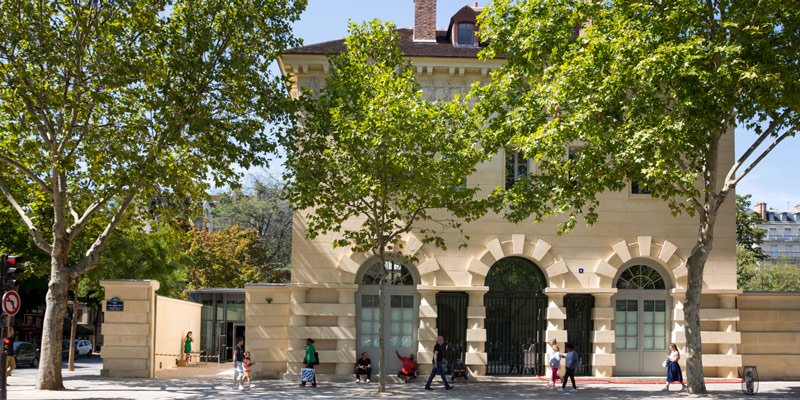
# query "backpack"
(553, 363)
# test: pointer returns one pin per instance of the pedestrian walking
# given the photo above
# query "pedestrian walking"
(547, 356)
(572, 364)
(555, 364)
(247, 365)
(311, 359)
(438, 364)
(238, 363)
(673, 368)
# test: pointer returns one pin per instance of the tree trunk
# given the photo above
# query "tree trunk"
(696, 264)
(52, 332)
(73, 331)
(381, 328)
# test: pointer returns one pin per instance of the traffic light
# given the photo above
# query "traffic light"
(7, 350)
(10, 266)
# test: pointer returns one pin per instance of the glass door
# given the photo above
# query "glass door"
(640, 326)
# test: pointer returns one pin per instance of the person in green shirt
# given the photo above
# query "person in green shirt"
(187, 346)
(310, 360)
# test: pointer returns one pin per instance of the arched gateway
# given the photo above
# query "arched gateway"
(401, 318)
(515, 322)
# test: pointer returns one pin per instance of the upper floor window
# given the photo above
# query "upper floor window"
(466, 34)
(516, 167)
(639, 188)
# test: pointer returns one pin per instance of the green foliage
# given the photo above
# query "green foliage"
(644, 89)
(746, 266)
(262, 208)
(775, 276)
(134, 253)
(103, 100)
(229, 257)
(115, 97)
(748, 234)
(371, 149)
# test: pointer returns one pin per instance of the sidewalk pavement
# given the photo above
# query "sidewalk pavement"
(214, 381)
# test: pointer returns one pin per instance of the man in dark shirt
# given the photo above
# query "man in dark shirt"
(363, 367)
(238, 366)
(438, 364)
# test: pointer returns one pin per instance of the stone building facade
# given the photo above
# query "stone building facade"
(616, 288)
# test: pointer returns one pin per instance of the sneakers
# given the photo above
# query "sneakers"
(448, 388)
(358, 381)
(665, 389)
(369, 381)
(241, 387)
(574, 389)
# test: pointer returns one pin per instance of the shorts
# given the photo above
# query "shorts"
(238, 369)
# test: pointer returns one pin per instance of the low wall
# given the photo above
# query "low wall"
(770, 328)
(175, 318)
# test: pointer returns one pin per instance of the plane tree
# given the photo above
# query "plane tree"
(604, 93)
(105, 103)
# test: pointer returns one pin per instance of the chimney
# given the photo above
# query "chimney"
(761, 209)
(425, 21)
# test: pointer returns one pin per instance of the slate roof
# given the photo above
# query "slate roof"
(442, 48)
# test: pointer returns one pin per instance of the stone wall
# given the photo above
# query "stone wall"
(770, 329)
(174, 318)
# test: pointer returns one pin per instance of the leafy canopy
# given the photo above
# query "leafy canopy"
(371, 149)
(644, 90)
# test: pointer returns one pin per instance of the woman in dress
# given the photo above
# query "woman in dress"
(673, 368)
(187, 347)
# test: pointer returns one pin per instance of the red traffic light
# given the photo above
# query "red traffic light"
(6, 341)
(15, 259)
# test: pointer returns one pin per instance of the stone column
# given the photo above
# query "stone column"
(603, 359)
(129, 334)
(476, 358)
(346, 337)
(728, 325)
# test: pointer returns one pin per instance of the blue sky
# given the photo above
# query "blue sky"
(327, 20)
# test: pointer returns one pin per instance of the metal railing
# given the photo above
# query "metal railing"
(782, 238)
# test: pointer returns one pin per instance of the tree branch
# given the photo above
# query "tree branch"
(763, 136)
(732, 183)
(37, 238)
(80, 223)
(92, 256)
(27, 172)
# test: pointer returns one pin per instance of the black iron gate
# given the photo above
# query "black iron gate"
(451, 322)
(515, 325)
(579, 327)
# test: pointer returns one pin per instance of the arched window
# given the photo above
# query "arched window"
(396, 274)
(640, 277)
(517, 275)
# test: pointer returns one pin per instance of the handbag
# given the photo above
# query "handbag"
(316, 356)
(664, 363)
